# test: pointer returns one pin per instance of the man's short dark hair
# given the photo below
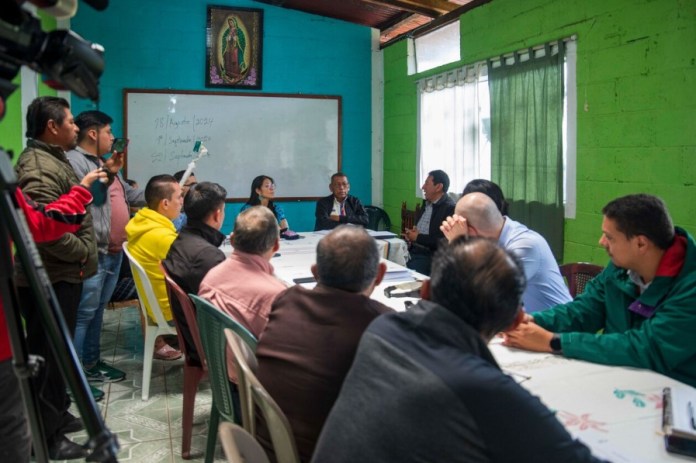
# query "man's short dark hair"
(490, 189)
(179, 175)
(158, 188)
(347, 259)
(338, 174)
(256, 230)
(88, 119)
(478, 281)
(203, 199)
(642, 214)
(439, 176)
(42, 110)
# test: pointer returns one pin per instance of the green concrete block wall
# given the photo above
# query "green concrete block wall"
(636, 86)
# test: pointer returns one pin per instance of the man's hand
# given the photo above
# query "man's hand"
(454, 227)
(88, 179)
(115, 162)
(529, 336)
(410, 235)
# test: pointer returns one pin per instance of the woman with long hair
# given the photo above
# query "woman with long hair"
(262, 193)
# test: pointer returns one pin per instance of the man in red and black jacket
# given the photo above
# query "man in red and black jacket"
(46, 223)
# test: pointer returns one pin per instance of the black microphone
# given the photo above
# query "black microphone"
(99, 5)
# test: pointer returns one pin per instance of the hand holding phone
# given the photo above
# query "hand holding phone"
(119, 145)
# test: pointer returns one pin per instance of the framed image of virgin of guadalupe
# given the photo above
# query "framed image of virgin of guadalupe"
(234, 39)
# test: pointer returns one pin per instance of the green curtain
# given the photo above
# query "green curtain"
(527, 141)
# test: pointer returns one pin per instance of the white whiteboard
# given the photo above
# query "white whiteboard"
(294, 139)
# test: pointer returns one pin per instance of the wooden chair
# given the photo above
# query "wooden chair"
(578, 274)
(408, 217)
(152, 329)
(240, 446)
(211, 322)
(255, 394)
(193, 371)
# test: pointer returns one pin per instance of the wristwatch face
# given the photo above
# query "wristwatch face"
(555, 344)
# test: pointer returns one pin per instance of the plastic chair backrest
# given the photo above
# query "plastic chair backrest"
(239, 445)
(144, 287)
(278, 426)
(187, 307)
(246, 364)
(578, 275)
(378, 219)
(211, 323)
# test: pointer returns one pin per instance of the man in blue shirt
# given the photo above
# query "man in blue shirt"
(477, 215)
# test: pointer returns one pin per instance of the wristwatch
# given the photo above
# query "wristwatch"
(555, 345)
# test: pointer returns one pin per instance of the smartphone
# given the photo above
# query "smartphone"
(119, 145)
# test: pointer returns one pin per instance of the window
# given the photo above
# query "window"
(454, 126)
(437, 48)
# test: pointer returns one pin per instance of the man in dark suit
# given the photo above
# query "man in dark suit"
(339, 207)
(425, 237)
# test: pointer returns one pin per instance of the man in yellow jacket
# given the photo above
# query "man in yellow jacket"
(150, 234)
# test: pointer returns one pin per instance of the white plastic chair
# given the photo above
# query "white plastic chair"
(146, 293)
(239, 445)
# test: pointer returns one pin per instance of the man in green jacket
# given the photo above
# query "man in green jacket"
(641, 310)
(44, 173)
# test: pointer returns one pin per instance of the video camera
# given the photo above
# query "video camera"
(63, 56)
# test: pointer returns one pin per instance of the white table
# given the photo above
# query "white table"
(297, 256)
(616, 411)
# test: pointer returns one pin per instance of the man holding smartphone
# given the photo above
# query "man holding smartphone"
(111, 212)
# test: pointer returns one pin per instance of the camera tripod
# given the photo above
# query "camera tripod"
(102, 444)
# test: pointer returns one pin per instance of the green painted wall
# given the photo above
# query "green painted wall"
(636, 73)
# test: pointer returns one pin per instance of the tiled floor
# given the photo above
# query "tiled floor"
(147, 431)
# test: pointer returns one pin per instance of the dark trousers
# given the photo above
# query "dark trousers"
(15, 439)
(53, 398)
(420, 262)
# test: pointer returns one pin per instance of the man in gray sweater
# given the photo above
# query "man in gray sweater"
(110, 211)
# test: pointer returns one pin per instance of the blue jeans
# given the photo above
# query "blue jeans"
(96, 292)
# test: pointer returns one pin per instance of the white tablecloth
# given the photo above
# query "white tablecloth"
(616, 411)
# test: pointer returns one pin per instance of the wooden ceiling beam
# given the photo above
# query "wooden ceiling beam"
(429, 8)
(438, 22)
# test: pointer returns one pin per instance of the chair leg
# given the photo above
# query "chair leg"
(212, 434)
(192, 376)
(149, 351)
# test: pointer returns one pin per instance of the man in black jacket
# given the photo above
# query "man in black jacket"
(196, 249)
(339, 207)
(425, 237)
(424, 387)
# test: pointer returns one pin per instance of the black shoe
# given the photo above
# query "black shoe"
(62, 448)
(70, 423)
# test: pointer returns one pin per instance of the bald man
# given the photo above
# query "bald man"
(477, 215)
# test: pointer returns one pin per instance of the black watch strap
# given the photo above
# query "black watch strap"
(555, 345)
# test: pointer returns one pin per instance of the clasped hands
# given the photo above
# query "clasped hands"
(454, 226)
